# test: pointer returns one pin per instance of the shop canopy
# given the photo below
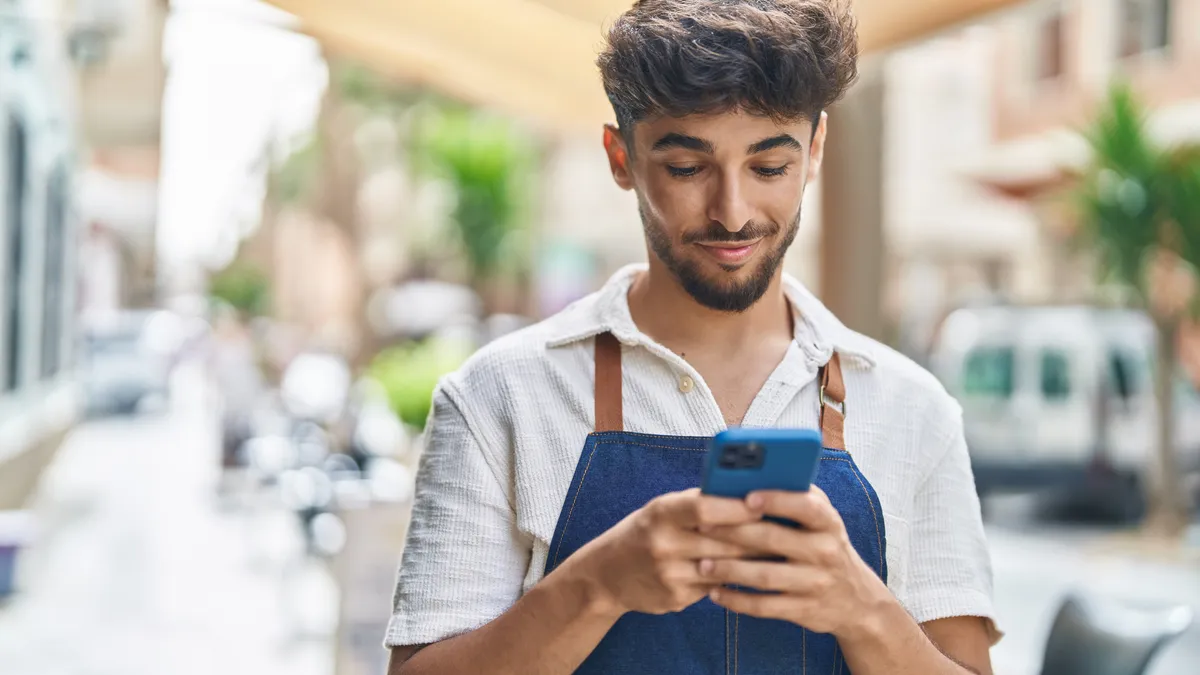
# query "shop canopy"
(536, 58)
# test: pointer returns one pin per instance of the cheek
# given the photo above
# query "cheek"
(781, 202)
(674, 204)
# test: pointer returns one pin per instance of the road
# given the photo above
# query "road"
(1037, 563)
(141, 571)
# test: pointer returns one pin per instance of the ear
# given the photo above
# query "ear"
(618, 157)
(816, 153)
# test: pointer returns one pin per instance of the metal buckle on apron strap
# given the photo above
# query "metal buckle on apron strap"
(839, 406)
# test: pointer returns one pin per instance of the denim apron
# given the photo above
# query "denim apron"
(618, 472)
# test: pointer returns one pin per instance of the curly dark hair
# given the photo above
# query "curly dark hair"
(786, 59)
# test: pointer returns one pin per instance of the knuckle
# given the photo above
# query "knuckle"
(827, 551)
(822, 583)
(658, 547)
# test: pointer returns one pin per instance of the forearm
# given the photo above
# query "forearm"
(549, 631)
(892, 643)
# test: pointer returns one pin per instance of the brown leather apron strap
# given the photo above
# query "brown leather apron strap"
(609, 408)
(833, 405)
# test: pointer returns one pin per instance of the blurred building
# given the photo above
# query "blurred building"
(118, 48)
(1052, 65)
(81, 84)
(38, 151)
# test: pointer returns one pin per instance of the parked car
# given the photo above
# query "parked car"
(126, 360)
(1061, 397)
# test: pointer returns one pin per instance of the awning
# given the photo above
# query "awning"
(536, 58)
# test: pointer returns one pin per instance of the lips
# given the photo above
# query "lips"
(730, 254)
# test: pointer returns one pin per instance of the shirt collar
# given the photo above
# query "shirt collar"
(818, 332)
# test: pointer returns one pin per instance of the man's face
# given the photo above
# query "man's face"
(719, 197)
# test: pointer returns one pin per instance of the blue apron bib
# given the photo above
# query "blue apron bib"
(619, 472)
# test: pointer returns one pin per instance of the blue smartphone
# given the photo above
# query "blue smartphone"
(741, 461)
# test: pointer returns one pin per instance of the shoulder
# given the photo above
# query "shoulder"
(906, 391)
(507, 375)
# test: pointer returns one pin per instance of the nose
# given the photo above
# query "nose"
(727, 204)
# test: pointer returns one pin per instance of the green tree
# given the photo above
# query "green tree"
(1140, 215)
(489, 166)
(243, 287)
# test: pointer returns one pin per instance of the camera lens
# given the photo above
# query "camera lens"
(742, 456)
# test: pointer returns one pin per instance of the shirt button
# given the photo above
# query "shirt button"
(686, 384)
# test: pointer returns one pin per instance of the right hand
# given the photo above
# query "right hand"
(649, 562)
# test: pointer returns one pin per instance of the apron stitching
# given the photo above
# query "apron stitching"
(662, 447)
(571, 513)
(736, 622)
(874, 514)
(803, 650)
(837, 651)
(726, 642)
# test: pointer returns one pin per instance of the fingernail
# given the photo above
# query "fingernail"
(714, 595)
(704, 529)
(706, 566)
(755, 501)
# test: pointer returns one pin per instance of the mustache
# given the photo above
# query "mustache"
(716, 232)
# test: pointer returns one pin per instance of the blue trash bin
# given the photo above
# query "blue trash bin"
(16, 532)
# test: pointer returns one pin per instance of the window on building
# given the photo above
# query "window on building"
(1050, 53)
(52, 306)
(14, 224)
(1145, 26)
(1056, 375)
(988, 371)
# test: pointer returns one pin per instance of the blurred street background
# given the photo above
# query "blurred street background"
(242, 239)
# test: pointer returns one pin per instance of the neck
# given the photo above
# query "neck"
(662, 309)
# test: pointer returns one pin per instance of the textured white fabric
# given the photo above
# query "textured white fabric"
(507, 429)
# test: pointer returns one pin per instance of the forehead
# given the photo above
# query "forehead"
(724, 131)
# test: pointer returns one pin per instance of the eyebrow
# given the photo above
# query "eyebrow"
(780, 141)
(677, 140)
(674, 140)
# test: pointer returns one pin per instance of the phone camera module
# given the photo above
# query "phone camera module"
(742, 456)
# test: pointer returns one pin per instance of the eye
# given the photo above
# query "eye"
(772, 171)
(683, 171)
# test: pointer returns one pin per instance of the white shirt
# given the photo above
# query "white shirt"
(507, 429)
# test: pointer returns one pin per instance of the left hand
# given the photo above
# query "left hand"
(823, 585)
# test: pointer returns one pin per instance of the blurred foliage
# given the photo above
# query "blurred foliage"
(409, 374)
(295, 177)
(1140, 212)
(243, 287)
(1137, 198)
(489, 166)
(486, 161)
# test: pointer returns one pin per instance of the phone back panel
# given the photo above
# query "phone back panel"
(741, 461)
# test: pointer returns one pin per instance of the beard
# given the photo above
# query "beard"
(723, 295)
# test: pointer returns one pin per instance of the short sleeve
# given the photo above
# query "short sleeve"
(464, 559)
(951, 566)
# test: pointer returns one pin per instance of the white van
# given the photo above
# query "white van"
(1061, 397)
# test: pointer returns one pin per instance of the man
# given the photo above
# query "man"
(557, 527)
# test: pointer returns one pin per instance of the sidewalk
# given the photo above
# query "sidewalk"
(138, 571)
(1037, 564)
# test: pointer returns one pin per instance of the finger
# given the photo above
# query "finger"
(765, 576)
(811, 509)
(765, 538)
(821, 549)
(689, 545)
(785, 607)
(684, 573)
(691, 509)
